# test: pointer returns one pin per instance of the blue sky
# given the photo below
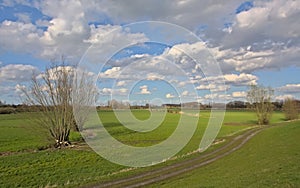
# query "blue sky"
(253, 42)
(245, 6)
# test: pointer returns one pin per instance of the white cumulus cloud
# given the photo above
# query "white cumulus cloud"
(290, 88)
(17, 73)
(170, 96)
(144, 90)
(239, 94)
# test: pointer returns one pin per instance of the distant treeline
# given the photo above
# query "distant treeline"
(233, 105)
(11, 108)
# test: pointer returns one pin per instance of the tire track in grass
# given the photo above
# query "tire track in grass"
(181, 167)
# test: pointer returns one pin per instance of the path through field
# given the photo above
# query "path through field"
(183, 166)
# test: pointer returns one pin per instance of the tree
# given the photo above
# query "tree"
(84, 96)
(51, 92)
(291, 109)
(260, 98)
(114, 104)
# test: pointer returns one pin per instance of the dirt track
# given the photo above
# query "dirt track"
(173, 170)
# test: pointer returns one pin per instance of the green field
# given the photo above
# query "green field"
(270, 159)
(18, 133)
(24, 162)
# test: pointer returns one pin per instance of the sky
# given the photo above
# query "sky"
(156, 51)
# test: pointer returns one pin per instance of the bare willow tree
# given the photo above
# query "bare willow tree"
(260, 99)
(84, 96)
(291, 109)
(51, 92)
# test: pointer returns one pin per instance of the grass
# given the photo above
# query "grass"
(80, 165)
(270, 159)
(59, 167)
(127, 136)
(18, 133)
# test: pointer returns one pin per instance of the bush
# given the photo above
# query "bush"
(291, 109)
(7, 110)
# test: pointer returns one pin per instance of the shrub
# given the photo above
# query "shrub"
(291, 109)
(7, 110)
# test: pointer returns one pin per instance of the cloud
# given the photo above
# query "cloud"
(241, 80)
(110, 91)
(233, 79)
(6, 90)
(213, 87)
(284, 97)
(170, 96)
(121, 83)
(154, 76)
(19, 37)
(113, 34)
(224, 83)
(144, 90)
(106, 91)
(28, 38)
(114, 72)
(239, 94)
(247, 60)
(65, 30)
(185, 93)
(178, 54)
(188, 13)
(265, 35)
(17, 73)
(11, 94)
(290, 88)
(63, 36)
(265, 20)
(122, 90)
(153, 67)
(270, 12)
(54, 72)
(205, 87)
(70, 29)
(19, 88)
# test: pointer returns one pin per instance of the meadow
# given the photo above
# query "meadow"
(270, 159)
(25, 161)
